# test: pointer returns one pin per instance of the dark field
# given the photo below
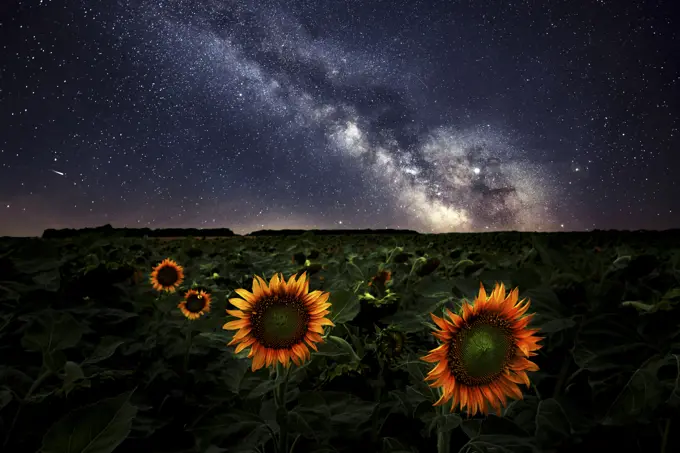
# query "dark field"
(92, 359)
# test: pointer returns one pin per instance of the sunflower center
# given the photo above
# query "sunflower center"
(167, 276)
(280, 321)
(195, 303)
(481, 350)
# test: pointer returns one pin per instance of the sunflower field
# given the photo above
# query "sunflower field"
(495, 342)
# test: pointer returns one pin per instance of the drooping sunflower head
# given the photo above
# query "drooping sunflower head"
(391, 343)
(381, 278)
(483, 354)
(195, 304)
(279, 321)
(167, 276)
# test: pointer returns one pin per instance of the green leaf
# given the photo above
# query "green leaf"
(465, 288)
(49, 280)
(525, 279)
(523, 413)
(5, 398)
(667, 302)
(432, 287)
(462, 264)
(392, 445)
(408, 400)
(344, 306)
(298, 423)
(262, 389)
(348, 410)
(552, 423)
(672, 383)
(233, 376)
(345, 346)
(556, 325)
(354, 272)
(114, 315)
(639, 397)
(407, 321)
(544, 302)
(620, 263)
(500, 443)
(437, 422)
(223, 426)
(97, 428)
(52, 332)
(105, 349)
(609, 342)
(72, 374)
(550, 256)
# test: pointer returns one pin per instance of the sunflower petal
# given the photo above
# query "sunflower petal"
(240, 303)
(245, 294)
(237, 314)
(237, 324)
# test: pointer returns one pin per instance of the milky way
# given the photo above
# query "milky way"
(436, 179)
(252, 114)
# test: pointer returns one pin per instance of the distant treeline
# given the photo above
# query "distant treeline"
(110, 231)
(665, 236)
(386, 232)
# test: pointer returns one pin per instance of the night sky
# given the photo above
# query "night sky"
(438, 116)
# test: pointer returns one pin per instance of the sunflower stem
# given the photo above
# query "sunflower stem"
(292, 447)
(47, 373)
(443, 441)
(378, 398)
(562, 376)
(443, 437)
(281, 412)
(189, 339)
(664, 439)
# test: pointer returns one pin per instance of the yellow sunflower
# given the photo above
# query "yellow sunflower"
(279, 321)
(167, 276)
(195, 304)
(483, 353)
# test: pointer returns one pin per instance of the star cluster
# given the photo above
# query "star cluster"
(431, 115)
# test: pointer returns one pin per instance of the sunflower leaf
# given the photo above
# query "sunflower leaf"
(437, 422)
(72, 374)
(49, 280)
(53, 331)
(345, 346)
(639, 397)
(233, 375)
(344, 306)
(105, 349)
(262, 389)
(96, 428)
(5, 398)
(500, 443)
(609, 342)
(552, 423)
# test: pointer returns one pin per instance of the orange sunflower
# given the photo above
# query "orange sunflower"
(195, 304)
(483, 353)
(167, 276)
(279, 321)
(381, 278)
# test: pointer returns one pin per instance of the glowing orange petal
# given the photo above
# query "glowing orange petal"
(237, 324)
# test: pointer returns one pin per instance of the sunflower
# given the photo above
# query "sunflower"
(195, 304)
(381, 278)
(167, 276)
(483, 353)
(279, 321)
